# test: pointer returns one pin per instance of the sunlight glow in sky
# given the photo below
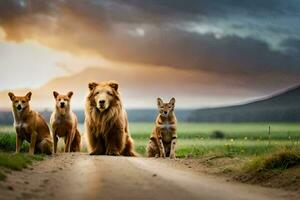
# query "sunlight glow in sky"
(205, 53)
(27, 64)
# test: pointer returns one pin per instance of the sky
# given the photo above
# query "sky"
(205, 53)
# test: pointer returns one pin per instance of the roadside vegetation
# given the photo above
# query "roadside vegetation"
(247, 152)
(257, 153)
(239, 139)
(11, 161)
(8, 159)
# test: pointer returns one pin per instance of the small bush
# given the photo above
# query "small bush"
(217, 135)
(282, 159)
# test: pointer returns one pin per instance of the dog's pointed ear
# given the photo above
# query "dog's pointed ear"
(159, 102)
(92, 85)
(70, 94)
(114, 85)
(11, 96)
(28, 95)
(55, 94)
(172, 101)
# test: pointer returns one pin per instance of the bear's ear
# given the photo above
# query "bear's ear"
(11, 96)
(114, 85)
(55, 94)
(70, 94)
(28, 95)
(172, 101)
(160, 102)
(92, 85)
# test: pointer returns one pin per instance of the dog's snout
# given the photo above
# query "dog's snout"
(101, 102)
(62, 104)
(19, 107)
(165, 112)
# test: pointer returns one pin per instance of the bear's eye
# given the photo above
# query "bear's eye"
(109, 93)
(23, 101)
(96, 93)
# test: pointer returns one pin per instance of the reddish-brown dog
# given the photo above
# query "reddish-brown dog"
(64, 123)
(30, 126)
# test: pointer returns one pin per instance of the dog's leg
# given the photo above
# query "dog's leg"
(32, 142)
(19, 142)
(68, 142)
(173, 145)
(161, 148)
(55, 141)
(152, 148)
(75, 145)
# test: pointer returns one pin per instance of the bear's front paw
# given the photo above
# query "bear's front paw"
(112, 153)
(94, 152)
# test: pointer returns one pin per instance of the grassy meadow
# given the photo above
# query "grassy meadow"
(249, 145)
(202, 139)
(238, 139)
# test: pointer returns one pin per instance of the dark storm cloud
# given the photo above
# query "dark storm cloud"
(153, 32)
(190, 50)
(292, 45)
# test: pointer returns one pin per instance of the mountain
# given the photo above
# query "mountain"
(282, 107)
(134, 115)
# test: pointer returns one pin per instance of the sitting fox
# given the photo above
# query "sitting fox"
(163, 139)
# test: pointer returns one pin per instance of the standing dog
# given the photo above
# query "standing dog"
(64, 123)
(30, 126)
(106, 121)
(163, 139)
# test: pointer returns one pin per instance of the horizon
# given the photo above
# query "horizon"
(254, 100)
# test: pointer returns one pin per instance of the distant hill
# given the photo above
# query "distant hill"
(134, 115)
(282, 107)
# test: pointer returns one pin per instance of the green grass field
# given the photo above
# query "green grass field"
(240, 139)
(195, 139)
(250, 143)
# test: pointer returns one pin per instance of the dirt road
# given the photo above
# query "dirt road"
(80, 176)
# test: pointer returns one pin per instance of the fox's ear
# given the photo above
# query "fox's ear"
(114, 85)
(159, 102)
(28, 95)
(70, 94)
(92, 85)
(11, 96)
(55, 94)
(172, 101)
